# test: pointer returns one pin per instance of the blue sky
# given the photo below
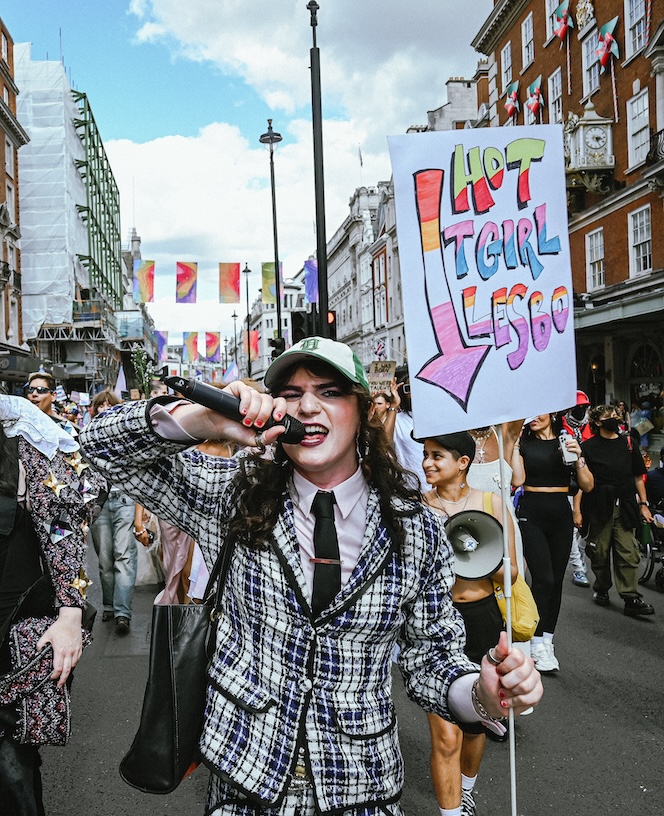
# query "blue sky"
(136, 88)
(181, 93)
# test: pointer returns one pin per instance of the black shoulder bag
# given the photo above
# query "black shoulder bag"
(165, 747)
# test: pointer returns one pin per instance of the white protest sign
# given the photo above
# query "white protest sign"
(486, 275)
(381, 374)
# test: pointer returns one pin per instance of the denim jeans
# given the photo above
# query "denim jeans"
(115, 545)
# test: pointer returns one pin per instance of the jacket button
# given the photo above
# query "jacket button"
(306, 684)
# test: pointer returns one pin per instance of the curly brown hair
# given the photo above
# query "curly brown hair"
(261, 483)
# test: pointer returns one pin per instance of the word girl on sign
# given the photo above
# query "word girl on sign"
(484, 251)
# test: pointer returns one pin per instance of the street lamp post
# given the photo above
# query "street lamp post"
(272, 138)
(235, 316)
(319, 183)
(246, 272)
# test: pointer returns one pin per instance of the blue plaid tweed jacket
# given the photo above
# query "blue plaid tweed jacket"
(279, 673)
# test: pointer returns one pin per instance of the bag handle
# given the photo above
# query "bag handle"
(218, 574)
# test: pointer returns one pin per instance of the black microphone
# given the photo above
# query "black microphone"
(217, 400)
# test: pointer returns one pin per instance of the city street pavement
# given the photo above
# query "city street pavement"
(593, 747)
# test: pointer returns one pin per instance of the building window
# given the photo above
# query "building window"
(5, 95)
(551, 6)
(527, 41)
(5, 47)
(506, 65)
(556, 97)
(11, 202)
(380, 289)
(9, 158)
(638, 128)
(640, 242)
(529, 117)
(590, 64)
(635, 22)
(595, 260)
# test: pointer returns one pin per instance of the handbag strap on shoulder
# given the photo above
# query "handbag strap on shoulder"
(219, 572)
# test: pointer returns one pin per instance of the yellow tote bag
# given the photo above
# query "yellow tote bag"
(525, 615)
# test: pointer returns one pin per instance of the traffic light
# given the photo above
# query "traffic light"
(300, 327)
(332, 325)
(278, 346)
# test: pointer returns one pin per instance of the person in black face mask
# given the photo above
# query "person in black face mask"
(610, 512)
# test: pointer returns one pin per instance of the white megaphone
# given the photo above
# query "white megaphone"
(477, 540)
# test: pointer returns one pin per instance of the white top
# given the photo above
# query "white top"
(485, 476)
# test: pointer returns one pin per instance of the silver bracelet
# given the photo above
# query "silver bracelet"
(481, 712)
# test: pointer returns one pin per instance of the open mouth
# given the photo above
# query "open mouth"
(314, 433)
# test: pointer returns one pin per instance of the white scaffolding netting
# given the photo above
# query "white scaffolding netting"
(52, 231)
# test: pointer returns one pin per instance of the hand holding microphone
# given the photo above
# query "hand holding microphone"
(229, 406)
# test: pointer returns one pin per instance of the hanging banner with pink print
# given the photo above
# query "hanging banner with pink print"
(213, 347)
(186, 274)
(486, 275)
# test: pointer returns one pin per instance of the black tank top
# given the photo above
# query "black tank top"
(544, 463)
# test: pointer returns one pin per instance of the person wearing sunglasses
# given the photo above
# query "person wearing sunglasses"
(40, 390)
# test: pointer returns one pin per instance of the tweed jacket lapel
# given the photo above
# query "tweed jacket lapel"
(287, 549)
(376, 549)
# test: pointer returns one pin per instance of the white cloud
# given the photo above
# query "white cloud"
(207, 198)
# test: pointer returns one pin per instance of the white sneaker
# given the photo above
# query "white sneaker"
(545, 659)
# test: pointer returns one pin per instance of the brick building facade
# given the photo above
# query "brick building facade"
(613, 120)
(15, 360)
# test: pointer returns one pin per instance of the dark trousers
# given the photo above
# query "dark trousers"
(545, 520)
(20, 779)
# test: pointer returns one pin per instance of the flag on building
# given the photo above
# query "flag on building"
(213, 347)
(231, 373)
(229, 283)
(189, 347)
(311, 281)
(563, 21)
(269, 283)
(186, 279)
(162, 345)
(143, 281)
(252, 345)
(535, 101)
(512, 98)
(607, 45)
(379, 350)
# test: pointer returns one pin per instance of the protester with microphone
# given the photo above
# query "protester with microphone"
(334, 561)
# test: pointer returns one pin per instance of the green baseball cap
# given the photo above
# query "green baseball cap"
(338, 355)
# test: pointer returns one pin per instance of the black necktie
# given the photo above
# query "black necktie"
(327, 566)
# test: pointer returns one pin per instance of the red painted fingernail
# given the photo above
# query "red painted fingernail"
(278, 415)
(503, 703)
(246, 422)
(243, 410)
(258, 423)
(501, 695)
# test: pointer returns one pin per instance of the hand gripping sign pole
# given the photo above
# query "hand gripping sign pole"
(507, 587)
